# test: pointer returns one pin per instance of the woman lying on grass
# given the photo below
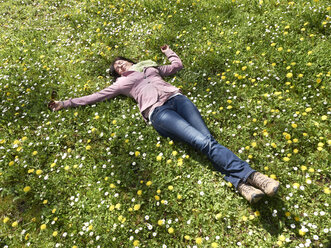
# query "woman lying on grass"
(173, 115)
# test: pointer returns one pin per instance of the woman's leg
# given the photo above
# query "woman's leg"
(179, 119)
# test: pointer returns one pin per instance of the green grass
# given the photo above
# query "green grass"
(253, 68)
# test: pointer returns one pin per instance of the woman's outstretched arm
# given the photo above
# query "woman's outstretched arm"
(99, 96)
(176, 63)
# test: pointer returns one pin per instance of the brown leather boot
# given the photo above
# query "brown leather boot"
(266, 184)
(249, 192)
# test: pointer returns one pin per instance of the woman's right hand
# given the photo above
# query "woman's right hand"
(164, 48)
(55, 105)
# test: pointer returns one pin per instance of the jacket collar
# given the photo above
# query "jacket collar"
(127, 73)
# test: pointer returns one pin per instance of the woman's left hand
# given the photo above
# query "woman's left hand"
(55, 105)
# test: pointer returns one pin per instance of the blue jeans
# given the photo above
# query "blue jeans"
(179, 119)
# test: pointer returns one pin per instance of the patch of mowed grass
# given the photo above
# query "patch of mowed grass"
(98, 176)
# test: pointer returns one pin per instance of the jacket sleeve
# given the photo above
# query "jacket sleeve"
(99, 96)
(175, 66)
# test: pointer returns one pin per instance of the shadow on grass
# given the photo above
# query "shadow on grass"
(272, 213)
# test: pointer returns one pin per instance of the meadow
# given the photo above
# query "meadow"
(99, 176)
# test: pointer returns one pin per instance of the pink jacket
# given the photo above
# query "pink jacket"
(148, 87)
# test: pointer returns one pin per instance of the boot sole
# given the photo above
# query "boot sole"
(256, 197)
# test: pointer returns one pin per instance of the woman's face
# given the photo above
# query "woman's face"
(121, 66)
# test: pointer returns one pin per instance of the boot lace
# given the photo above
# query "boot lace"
(261, 180)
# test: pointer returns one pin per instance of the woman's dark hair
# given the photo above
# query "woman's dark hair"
(112, 71)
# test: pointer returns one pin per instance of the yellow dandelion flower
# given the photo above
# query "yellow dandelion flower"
(244, 218)
(136, 207)
(43, 227)
(27, 189)
(320, 144)
(301, 232)
(11, 163)
(149, 183)
(38, 172)
(136, 243)
(170, 230)
(187, 237)
(288, 136)
(157, 197)
(34, 153)
(294, 125)
(139, 192)
(296, 185)
(218, 216)
(14, 224)
(170, 187)
(5, 220)
(308, 109)
(326, 191)
(214, 245)
(281, 238)
(198, 241)
(179, 197)
(54, 233)
(289, 75)
(160, 222)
